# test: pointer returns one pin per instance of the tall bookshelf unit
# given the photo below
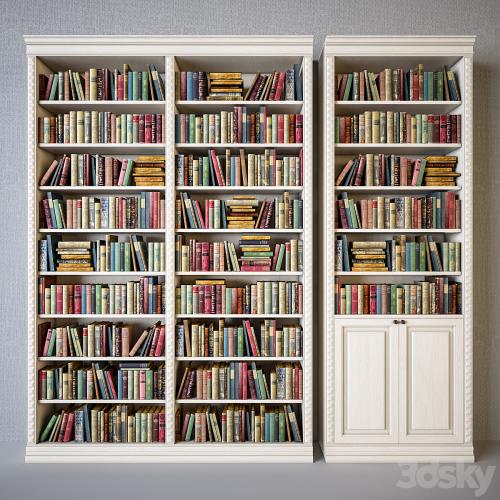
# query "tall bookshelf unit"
(395, 387)
(170, 55)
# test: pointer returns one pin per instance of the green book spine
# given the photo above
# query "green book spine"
(440, 86)
(422, 256)
(348, 299)
(262, 385)
(347, 91)
(258, 254)
(128, 264)
(192, 125)
(448, 265)
(272, 437)
(413, 264)
(52, 343)
(149, 384)
(430, 85)
(393, 299)
(48, 428)
(337, 129)
(279, 261)
(296, 214)
(240, 341)
(135, 85)
(228, 300)
(282, 427)
(406, 296)
(145, 86)
(98, 301)
(420, 177)
(52, 94)
(80, 386)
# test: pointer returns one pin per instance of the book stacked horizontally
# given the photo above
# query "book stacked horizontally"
(242, 212)
(256, 253)
(149, 171)
(440, 171)
(225, 87)
(369, 256)
(74, 256)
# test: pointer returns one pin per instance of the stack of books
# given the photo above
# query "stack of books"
(74, 256)
(242, 212)
(225, 87)
(256, 253)
(149, 171)
(440, 171)
(369, 256)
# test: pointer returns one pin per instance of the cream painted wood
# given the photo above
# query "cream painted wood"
(366, 375)
(434, 412)
(431, 374)
(250, 54)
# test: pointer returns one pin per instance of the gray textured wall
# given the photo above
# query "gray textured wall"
(184, 17)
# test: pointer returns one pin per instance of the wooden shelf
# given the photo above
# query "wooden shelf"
(395, 189)
(434, 107)
(235, 145)
(238, 401)
(240, 189)
(407, 148)
(100, 189)
(115, 106)
(109, 230)
(215, 106)
(128, 149)
(249, 359)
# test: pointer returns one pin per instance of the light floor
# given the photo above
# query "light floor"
(316, 481)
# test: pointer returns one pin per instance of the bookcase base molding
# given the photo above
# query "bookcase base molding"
(160, 453)
(397, 454)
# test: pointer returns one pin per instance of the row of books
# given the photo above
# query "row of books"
(396, 84)
(257, 254)
(141, 211)
(109, 255)
(127, 381)
(106, 424)
(146, 296)
(398, 127)
(432, 211)
(393, 170)
(212, 339)
(239, 212)
(97, 170)
(263, 297)
(101, 127)
(222, 86)
(262, 169)
(402, 253)
(439, 296)
(102, 84)
(239, 126)
(241, 380)
(237, 423)
(99, 340)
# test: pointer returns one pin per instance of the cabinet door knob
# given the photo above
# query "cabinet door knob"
(395, 321)
(403, 322)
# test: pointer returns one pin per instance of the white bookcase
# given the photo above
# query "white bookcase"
(169, 54)
(395, 387)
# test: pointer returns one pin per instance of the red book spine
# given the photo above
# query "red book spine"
(442, 128)
(244, 394)
(251, 385)
(159, 128)
(78, 299)
(205, 256)
(454, 136)
(161, 342)
(279, 87)
(354, 299)
(299, 133)
(196, 258)
(241, 380)
(147, 129)
(205, 296)
(234, 301)
(342, 214)
(142, 384)
(141, 128)
(161, 427)
(69, 428)
(156, 206)
(281, 128)
(59, 299)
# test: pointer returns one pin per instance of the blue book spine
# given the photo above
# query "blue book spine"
(408, 256)
(233, 172)
(84, 299)
(226, 351)
(379, 299)
(189, 85)
(267, 428)
(120, 385)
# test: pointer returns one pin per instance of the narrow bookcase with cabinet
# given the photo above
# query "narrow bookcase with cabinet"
(170, 271)
(396, 279)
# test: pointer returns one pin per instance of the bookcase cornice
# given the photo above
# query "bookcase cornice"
(167, 45)
(400, 45)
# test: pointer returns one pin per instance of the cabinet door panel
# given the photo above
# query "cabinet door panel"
(431, 358)
(365, 382)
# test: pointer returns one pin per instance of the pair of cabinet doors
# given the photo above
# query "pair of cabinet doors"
(398, 381)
